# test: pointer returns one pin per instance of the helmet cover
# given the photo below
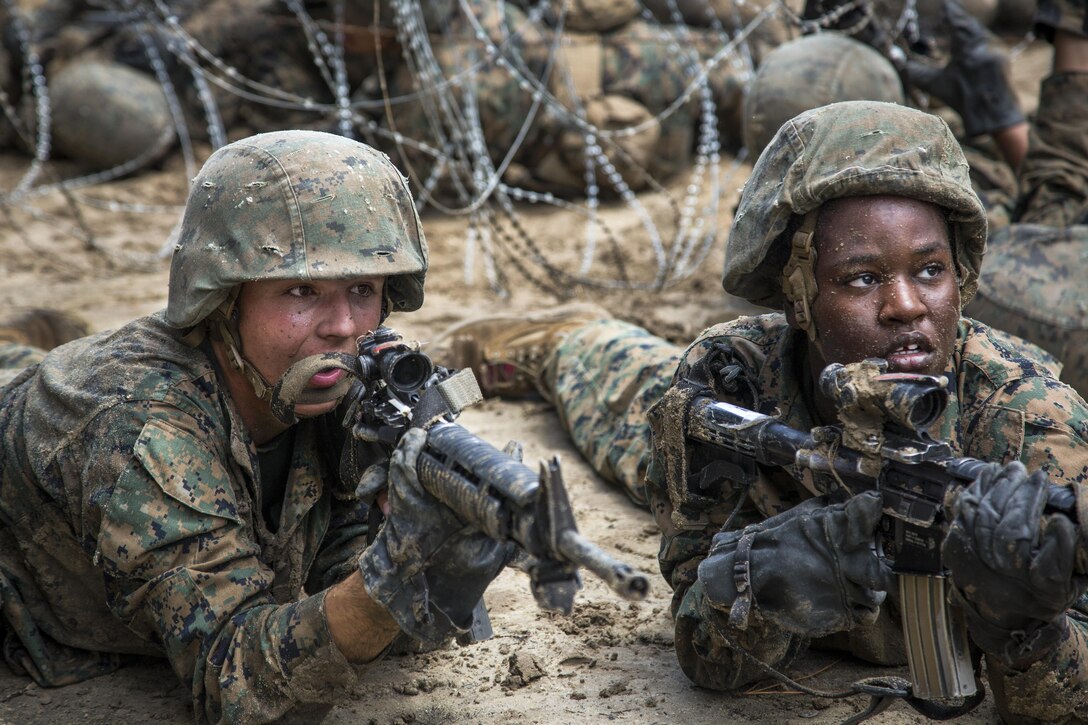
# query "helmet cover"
(295, 205)
(853, 148)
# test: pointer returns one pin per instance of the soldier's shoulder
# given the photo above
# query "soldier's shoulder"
(144, 363)
(762, 330)
(749, 340)
(1001, 357)
(1002, 369)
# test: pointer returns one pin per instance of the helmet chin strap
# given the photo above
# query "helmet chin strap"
(226, 330)
(223, 321)
(290, 390)
(799, 276)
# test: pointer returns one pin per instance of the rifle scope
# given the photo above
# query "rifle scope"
(909, 400)
(400, 366)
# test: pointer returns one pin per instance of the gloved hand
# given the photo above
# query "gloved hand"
(1011, 565)
(974, 83)
(812, 570)
(425, 567)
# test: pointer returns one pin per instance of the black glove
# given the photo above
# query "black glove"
(973, 83)
(425, 567)
(1011, 565)
(812, 570)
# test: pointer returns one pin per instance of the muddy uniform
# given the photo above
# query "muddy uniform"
(1002, 408)
(603, 378)
(138, 517)
(14, 357)
(1031, 286)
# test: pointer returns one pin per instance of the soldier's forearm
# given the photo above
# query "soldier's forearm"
(360, 628)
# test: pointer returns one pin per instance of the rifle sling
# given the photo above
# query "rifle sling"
(884, 691)
(446, 398)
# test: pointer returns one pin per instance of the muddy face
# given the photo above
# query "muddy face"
(282, 322)
(886, 284)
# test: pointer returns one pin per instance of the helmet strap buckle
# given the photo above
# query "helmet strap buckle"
(227, 331)
(799, 277)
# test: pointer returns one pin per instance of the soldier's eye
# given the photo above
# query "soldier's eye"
(862, 280)
(932, 271)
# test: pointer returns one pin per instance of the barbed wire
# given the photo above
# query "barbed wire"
(452, 157)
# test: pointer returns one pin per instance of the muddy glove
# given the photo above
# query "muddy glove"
(1011, 565)
(812, 570)
(974, 83)
(425, 567)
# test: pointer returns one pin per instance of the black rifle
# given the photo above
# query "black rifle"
(883, 444)
(398, 386)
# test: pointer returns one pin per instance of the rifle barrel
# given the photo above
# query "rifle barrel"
(624, 580)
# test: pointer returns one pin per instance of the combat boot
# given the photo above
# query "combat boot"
(41, 328)
(508, 353)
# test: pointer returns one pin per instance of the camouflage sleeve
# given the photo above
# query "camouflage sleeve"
(712, 653)
(1039, 421)
(1045, 424)
(181, 568)
(1052, 690)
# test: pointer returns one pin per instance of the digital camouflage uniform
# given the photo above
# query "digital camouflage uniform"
(606, 375)
(14, 357)
(137, 515)
(603, 377)
(1005, 404)
(1003, 407)
(130, 522)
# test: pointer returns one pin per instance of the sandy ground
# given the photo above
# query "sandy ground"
(610, 660)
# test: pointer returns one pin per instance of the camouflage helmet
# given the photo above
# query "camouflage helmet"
(853, 148)
(302, 205)
(812, 71)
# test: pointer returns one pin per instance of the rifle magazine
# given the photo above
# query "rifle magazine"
(935, 634)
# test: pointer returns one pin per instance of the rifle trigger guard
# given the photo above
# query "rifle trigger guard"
(742, 579)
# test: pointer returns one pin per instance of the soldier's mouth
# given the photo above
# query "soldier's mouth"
(910, 353)
(326, 378)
